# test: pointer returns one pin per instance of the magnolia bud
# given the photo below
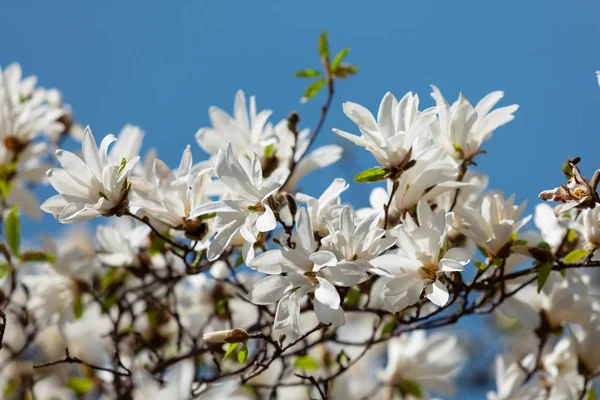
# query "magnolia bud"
(236, 335)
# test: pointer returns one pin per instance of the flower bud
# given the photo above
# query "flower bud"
(235, 335)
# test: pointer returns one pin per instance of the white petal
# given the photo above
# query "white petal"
(268, 290)
(327, 294)
(266, 222)
(437, 293)
(328, 315)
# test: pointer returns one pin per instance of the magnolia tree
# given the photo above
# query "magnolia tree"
(221, 279)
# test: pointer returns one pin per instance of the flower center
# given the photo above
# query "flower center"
(579, 193)
(429, 272)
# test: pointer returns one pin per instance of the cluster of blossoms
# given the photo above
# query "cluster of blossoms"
(227, 255)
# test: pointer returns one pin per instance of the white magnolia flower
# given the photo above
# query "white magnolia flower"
(589, 226)
(560, 366)
(357, 242)
(248, 215)
(287, 150)
(177, 383)
(587, 348)
(295, 272)
(424, 181)
(15, 176)
(510, 378)
(561, 301)
(170, 196)
(579, 193)
(120, 244)
(128, 144)
(245, 132)
(461, 128)
(418, 364)
(327, 206)
(552, 228)
(417, 265)
(494, 226)
(90, 187)
(24, 110)
(398, 127)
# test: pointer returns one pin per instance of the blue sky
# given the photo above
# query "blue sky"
(162, 64)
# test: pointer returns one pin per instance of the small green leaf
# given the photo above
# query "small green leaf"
(308, 73)
(339, 58)
(269, 150)
(80, 385)
(343, 70)
(543, 274)
(13, 230)
(5, 187)
(571, 236)
(412, 388)
(306, 363)
(353, 296)
(457, 148)
(388, 328)
(311, 90)
(480, 264)
(77, 307)
(519, 242)
(567, 169)
(9, 388)
(543, 245)
(591, 394)
(323, 45)
(4, 270)
(575, 256)
(230, 350)
(563, 273)
(371, 175)
(37, 256)
(243, 353)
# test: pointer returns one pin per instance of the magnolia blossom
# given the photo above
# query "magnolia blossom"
(326, 207)
(587, 349)
(561, 301)
(579, 193)
(16, 176)
(510, 378)
(460, 129)
(417, 265)
(299, 270)
(390, 139)
(246, 132)
(121, 242)
(24, 110)
(290, 149)
(90, 187)
(249, 215)
(552, 228)
(418, 364)
(171, 195)
(495, 225)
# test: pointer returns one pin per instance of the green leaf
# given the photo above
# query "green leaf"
(230, 350)
(13, 230)
(543, 274)
(371, 175)
(457, 148)
(243, 353)
(519, 242)
(575, 256)
(543, 245)
(339, 58)
(591, 394)
(4, 270)
(37, 256)
(308, 73)
(480, 264)
(306, 363)
(567, 169)
(5, 187)
(412, 388)
(269, 151)
(344, 70)
(311, 90)
(323, 45)
(571, 236)
(353, 296)
(9, 388)
(80, 385)
(77, 307)
(388, 328)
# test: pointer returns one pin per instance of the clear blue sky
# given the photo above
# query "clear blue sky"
(162, 64)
